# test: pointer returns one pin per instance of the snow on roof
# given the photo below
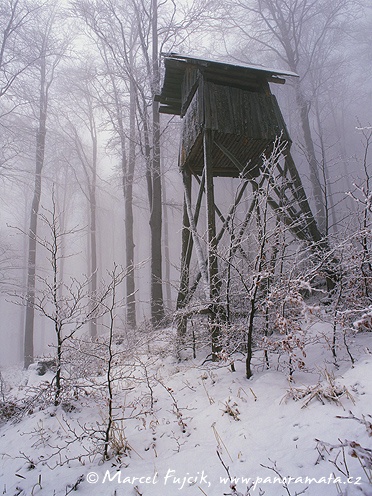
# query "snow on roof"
(176, 66)
(222, 63)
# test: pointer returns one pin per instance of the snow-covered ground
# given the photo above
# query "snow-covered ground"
(202, 430)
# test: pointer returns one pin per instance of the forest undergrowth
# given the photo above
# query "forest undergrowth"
(139, 418)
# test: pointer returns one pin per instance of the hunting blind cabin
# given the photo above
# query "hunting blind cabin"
(231, 120)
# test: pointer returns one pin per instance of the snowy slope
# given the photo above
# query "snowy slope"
(210, 431)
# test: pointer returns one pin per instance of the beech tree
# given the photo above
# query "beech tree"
(69, 304)
(49, 50)
(299, 34)
(267, 266)
(80, 131)
(16, 58)
(117, 104)
(15, 55)
(131, 36)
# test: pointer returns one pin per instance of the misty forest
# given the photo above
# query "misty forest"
(186, 247)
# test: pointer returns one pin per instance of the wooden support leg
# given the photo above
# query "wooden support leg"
(221, 233)
(186, 249)
(212, 265)
(190, 221)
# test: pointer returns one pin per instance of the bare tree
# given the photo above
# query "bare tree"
(80, 130)
(263, 277)
(16, 59)
(49, 52)
(15, 56)
(114, 100)
(362, 197)
(68, 306)
(142, 30)
(299, 34)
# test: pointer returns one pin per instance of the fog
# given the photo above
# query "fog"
(78, 135)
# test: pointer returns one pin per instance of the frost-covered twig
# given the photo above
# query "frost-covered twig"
(363, 421)
(176, 408)
(274, 468)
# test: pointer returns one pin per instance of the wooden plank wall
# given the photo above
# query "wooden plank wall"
(235, 111)
(245, 122)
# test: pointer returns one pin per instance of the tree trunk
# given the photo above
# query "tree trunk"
(31, 266)
(128, 199)
(167, 264)
(127, 170)
(329, 208)
(93, 228)
(311, 157)
(157, 305)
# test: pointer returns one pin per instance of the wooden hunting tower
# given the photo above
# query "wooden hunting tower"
(230, 120)
(233, 102)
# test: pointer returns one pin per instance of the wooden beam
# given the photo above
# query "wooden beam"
(185, 264)
(196, 213)
(213, 279)
(195, 284)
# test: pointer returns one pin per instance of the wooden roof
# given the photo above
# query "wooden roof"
(176, 66)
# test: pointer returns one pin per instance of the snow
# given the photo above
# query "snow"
(207, 425)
